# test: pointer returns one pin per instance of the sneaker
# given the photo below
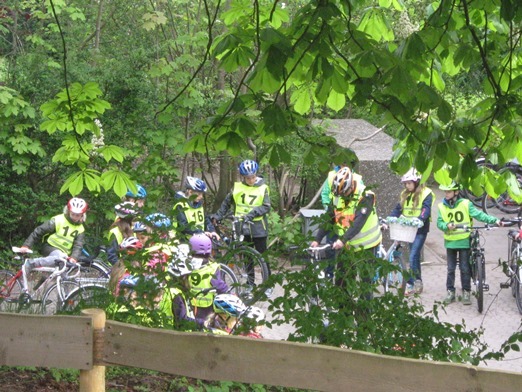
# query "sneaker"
(409, 290)
(418, 286)
(466, 298)
(450, 297)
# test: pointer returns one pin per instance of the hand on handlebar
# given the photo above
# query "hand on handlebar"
(72, 260)
(338, 245)
(314, 244)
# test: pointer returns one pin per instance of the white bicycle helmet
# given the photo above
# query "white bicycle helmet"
(196, 263)
(77, 205)
(343, 182)
(255, 314)
(229, 304)
(411, 175)
(131, 244)
(125, 210)
(178, 268)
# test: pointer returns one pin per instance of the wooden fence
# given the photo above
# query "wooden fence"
(89, 343)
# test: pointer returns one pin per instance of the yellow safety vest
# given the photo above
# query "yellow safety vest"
(195, 216)
(115, 231)
(65, 233)
(165, 304)
(370, 235)
(459, 215)
(411, 211)
(200, 280)
(247, 197)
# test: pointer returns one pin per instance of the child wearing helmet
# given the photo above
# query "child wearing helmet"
(352, 217)
(227, 310)
(455, 210)
(138, 197)
(206, 279)
(249, 200)
(120, 229)
(416, 201)
(189, 212)
(63, 235)
(129, 250)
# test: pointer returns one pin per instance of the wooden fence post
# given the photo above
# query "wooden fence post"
(94, 380)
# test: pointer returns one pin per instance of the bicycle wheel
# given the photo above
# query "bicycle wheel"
(54, 296)
(230, 279)
(84, 297)
(10, 291)
(94, 270)
(517, 280)
(480, 265)
(250, 269)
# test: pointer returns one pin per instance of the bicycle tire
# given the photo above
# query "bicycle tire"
(9, 292)
(54, 296)
(230, 279)
(84, 297)
(481, 278)
(250, 269)
(395, 279)
(479, 200)
(517, 279)
(94, 270)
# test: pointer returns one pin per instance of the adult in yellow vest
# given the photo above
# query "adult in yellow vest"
(353, 216)
(250, 200)
(454, 211)
(62, 236)
(189, 213)
(416, 201)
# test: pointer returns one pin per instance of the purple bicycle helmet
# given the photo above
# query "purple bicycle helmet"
(200, 244)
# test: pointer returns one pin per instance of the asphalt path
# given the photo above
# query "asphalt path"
(500, 317)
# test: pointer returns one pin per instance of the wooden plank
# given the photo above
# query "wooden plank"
(271, 362)
(47, 341)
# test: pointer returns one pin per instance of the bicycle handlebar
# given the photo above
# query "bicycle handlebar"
(21, 250)
(469, 228)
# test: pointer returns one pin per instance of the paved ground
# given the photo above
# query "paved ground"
(500, 318)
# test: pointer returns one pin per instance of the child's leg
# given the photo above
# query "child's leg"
(465, 269)
(415, 257)
(451, 256)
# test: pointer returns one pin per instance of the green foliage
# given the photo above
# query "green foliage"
(386, 324)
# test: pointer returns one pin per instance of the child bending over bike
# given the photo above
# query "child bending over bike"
(455, 210)
(63, 236)
(206, 274)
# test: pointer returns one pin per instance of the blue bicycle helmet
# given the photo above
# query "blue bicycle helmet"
(158, 220)
(248, 167)
(141, 193)
(229, 304)
(195, 184)
(139, 227)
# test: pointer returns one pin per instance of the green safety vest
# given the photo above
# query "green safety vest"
(65, 233)
(247, 197)
(410, 211)
(458, 215)
(370, 235)
(195, 216)
(200, 280)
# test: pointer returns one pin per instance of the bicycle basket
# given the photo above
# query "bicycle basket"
(403, 233)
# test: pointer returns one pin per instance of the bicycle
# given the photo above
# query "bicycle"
(97, 294)
(394, 278)
(93, 265)
(48, 291)
(513, 267)
(504, 202)
(247, 263)
(477, 262)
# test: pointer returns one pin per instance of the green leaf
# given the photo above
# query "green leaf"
(74, 184)
(336, 101)
(111, 152)
(302, 100)
(233, 143)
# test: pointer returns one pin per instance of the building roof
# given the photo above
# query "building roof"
(366, 140)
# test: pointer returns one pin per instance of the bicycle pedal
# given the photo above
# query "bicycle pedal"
(485, 287)
(504, 285)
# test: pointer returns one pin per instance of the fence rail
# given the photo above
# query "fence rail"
(70, 342)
